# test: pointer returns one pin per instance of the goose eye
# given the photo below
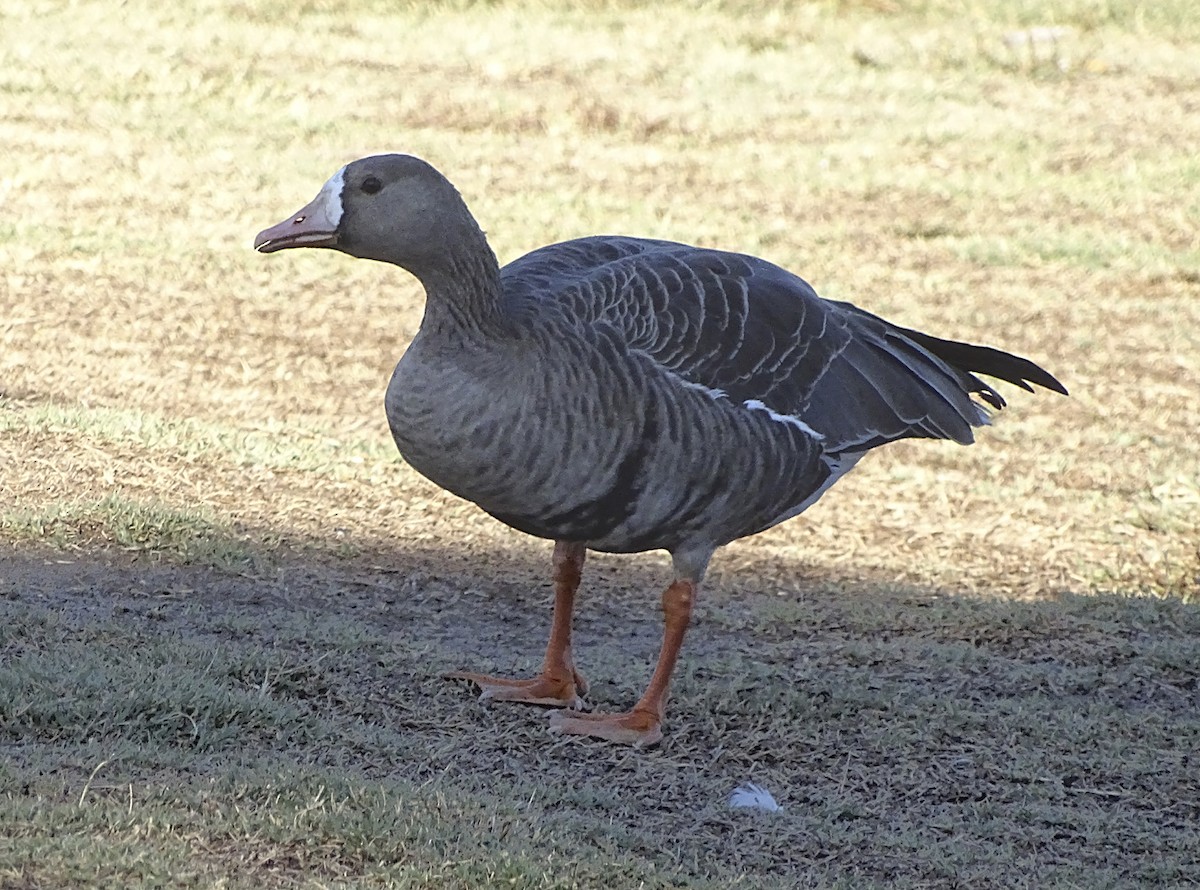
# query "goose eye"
(371, 185)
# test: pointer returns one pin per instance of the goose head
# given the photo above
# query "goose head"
(393, 208)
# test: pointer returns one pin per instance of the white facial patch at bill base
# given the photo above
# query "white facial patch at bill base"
(326, 208)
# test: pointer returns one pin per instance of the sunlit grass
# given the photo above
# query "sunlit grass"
(274, 445)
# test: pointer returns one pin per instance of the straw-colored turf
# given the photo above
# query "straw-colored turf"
(226, 603)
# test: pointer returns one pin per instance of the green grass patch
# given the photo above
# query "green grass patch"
(266, 824)
(185, 535)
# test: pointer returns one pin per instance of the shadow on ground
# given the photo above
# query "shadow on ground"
(910, 735)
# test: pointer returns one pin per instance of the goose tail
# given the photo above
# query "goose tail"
(971, 359)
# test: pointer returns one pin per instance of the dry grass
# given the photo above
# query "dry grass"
(986, 674)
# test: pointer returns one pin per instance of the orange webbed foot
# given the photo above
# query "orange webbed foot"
(556, 690)
(640, 728)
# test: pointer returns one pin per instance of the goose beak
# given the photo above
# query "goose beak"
(311, 226)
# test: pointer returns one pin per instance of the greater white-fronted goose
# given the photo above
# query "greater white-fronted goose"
(623, 394)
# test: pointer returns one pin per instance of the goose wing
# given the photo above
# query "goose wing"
(747, 330)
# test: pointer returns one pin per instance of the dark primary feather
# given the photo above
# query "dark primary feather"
(986, 360)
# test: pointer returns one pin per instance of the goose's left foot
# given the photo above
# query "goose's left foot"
(639, 727)
(558, 689)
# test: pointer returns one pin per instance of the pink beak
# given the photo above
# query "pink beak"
(308, 227)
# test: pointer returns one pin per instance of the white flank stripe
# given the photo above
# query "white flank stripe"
(756, 405)
(713, 394)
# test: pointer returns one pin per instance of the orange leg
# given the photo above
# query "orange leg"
(559, 684)
(643, 724)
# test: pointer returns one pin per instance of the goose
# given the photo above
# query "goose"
(623, 394)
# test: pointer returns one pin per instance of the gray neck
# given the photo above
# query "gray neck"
(463, 294)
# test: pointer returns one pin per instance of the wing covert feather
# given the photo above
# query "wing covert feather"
(751, 331)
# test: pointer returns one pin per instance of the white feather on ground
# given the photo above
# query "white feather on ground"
(754, 797)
